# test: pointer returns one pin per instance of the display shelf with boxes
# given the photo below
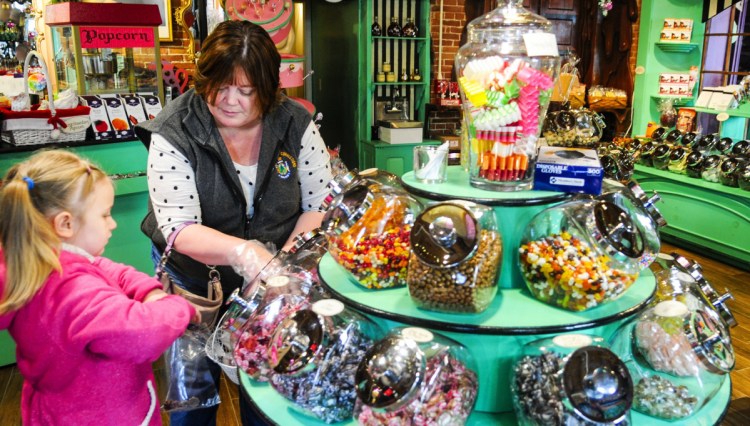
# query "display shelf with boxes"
(677, 47)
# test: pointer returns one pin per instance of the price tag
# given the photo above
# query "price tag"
(640, 70)
(328, 307)
(417, 334)
(278, 281)
(723, 116)
(540, 44)
(670, 308)
(572, 340)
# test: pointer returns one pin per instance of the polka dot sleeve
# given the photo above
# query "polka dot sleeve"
(171, 186)
(314, 169)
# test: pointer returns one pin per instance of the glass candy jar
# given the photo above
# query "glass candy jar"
(710, 169)
(707, 292)
(574, 128)
(741, 148)
(413, 376)
(678, 358)
(673, 137)
(743, 176)
(678, 160)
(694, 164)
(506, 73)
(658, 134)
(282, 295)
(688, 139)
(455, 259)
(373, 175)
(705, 143)
(661, 156)
(723, 146)
(315, 354)
(307, 250)
(647, 154)
(583, 253)
(368, 228)
(570, 379)
(728, 171)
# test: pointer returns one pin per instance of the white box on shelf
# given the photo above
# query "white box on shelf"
(395, 136)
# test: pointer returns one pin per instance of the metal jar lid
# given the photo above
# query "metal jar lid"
(391, 373)
(598, 385)
(565, 120)
(711, 162)
(337, 185)
(729, 166)
(741, 148)
(677, 154)
(296, 341)
(689, 138)
(445, 235)
(694, 159)
(307, 240)
(707, 291)
(616, 232)
(658, 134)
(347, 208)
(662, 150)
(673, 136)
(710, 341)
(648, 203)
(724, 145)
(648, 148)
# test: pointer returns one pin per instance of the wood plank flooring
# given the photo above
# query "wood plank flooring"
(718, 274)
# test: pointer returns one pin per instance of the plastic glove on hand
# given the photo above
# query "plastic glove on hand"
(249, 258)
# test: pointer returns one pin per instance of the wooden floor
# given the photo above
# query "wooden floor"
(718, 274)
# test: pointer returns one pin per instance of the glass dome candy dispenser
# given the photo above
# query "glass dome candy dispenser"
(570, 379)
(315, 353)
(413, 376)
(707, 292)
(368, 228)
(678, 358)
(456, 255)
(583, 253)
(341, 182)
(506, 73)
(279, 296)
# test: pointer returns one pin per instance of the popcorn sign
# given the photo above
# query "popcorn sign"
(113, 37)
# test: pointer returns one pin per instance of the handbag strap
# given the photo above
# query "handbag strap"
(170, 243)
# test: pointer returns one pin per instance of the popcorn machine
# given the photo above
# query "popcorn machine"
(105, 48)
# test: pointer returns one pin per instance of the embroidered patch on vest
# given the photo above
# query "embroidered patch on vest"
(285, 164)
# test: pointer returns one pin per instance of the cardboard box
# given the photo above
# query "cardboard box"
(134, 109)
(568, 170)
(118, 117)
(395, 136)
(152, 105)
(99, 118)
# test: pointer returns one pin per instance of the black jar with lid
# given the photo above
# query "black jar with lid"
(743, 176)
(659, 134)
(705, 143)
(646, 156)
(661, 156)
(688, 139)
(694, 164)
(723, 146)
(741, 149)
(673, 137)
(728, 171)
(678, 160)
(710, 169)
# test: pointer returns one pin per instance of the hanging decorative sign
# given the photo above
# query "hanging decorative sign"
(114, 37)
(274, 16)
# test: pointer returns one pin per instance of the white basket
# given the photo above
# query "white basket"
(35, 131)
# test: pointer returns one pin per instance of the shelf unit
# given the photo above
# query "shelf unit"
(655, 57)
(404, 54)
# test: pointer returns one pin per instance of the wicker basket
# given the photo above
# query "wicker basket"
(37, 126)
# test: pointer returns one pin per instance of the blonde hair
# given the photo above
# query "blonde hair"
(32, 192)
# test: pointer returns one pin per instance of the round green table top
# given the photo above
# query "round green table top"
(457, 187)
(512, 312)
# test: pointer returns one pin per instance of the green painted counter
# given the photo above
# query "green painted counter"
(278, 410)
(127, 245)
(707, 216)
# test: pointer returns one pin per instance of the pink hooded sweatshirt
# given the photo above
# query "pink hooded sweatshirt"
(85, 344)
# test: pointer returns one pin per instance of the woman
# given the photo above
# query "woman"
(240, 159)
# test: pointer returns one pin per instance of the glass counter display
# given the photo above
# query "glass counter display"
(105, 48)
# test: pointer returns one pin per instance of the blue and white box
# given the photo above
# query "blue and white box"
(568, 170)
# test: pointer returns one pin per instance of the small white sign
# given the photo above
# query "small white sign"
(670, 308)
(572, 340)
(640, 70)
(419, 335)
(277, 281)
(328, 307)
(540, 44)
(722, 117)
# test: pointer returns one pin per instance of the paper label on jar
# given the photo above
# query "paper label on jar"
(670, 308)
(572, 340)
(328, 307)
(665, 256)
(540, 44)
(277, 281)
(417, 334)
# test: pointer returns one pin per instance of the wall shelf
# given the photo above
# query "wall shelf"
(677, 47)
(737, 112)
(676, 100)
(400, 38)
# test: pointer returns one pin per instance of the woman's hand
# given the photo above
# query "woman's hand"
(249, 258)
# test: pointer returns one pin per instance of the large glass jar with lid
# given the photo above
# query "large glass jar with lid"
(345, 180)
(414, 376)
(584, 253)
(678, 358)
(455, 260)
(368, 228)
(315, 354)
(570, 379)
(506, 73)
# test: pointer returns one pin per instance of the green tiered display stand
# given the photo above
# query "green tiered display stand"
(495, 336)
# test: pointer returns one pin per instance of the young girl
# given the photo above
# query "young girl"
(87, 329)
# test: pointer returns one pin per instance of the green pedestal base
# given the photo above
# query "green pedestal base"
(513, 211)
(278, 410)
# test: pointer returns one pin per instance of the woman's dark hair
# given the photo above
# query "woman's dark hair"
(239, 46)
